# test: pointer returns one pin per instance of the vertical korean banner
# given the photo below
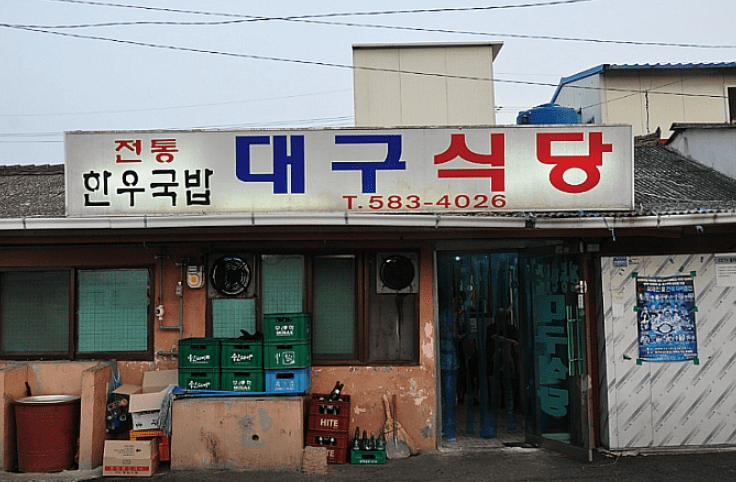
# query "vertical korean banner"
(666, 318)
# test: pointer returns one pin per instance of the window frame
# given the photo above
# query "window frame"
(364, 291)
(72, 352)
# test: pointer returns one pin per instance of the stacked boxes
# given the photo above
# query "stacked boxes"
(164, 441)
(279, 363)
(327, 426)
(287, 352)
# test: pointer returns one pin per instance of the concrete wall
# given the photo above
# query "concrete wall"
(237, 433)
(713, 146)
(89, 380)
(668, 404)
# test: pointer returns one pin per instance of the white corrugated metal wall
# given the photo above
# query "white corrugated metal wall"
(668, 404)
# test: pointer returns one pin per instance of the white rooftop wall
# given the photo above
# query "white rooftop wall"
(392, 88)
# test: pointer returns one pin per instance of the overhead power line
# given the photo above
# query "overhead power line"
(638, 43)
(333, 14)
(240, 18)
(330, 64)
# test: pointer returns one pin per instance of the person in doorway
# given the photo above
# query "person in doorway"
(502, 345)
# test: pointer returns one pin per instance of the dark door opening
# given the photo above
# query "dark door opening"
(511, 349)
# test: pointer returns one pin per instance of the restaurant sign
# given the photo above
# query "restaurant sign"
(428, 170)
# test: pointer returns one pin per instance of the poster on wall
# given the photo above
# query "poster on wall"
(666, 318)
(725, 269)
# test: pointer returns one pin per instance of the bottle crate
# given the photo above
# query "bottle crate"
(199, 353)
(287, 327)
(238, 380)
(289, 381)
(287, 355)
(199, 378)
(241, 354)
(327, 414)
(369, 457)
(336, 444)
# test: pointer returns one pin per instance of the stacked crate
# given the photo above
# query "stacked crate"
(287, 352)
(199, 363)
(241, 364)
(327, 426)
(227, 364)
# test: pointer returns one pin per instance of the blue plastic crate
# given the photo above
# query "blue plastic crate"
(289, 381)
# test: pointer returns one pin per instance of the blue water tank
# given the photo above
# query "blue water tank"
(549, 114)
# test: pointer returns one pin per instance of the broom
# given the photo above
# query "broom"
(395, 449)
(401, 432)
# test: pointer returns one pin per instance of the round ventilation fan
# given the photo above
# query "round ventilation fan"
(397, 272)
(230, 275)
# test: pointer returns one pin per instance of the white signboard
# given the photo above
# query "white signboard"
(464, 170)
(725, 269)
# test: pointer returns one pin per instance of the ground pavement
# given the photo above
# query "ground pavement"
(498, 464)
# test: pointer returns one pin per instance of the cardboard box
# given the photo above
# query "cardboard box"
(145, 401)
(130, 458)
(164, 442)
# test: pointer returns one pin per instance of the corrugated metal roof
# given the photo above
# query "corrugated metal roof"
(665, 183)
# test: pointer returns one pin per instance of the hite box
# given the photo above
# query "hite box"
(335, 442)
(329, 415)
(131, 458)
(145, 400)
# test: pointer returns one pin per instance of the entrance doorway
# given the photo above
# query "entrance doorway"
(511, 349)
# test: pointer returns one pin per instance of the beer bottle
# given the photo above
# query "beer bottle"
(381, 444)
(364, 441)
(372, 442)
(356, 439)
(335, 393)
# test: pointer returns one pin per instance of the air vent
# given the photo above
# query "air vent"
(397, 273)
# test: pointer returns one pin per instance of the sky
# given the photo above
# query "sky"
(71, 65)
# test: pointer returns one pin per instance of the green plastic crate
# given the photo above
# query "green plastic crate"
(279, 356)
(199, 353)
(241, 354)
(367, 456)
(287, 327)
(199, 378)
(242, 381)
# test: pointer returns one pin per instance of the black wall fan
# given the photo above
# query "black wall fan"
(397, 273)
(230, 275)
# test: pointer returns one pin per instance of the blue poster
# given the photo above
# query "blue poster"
(666, 318)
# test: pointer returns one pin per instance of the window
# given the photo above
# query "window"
(35, 312)
(351, 321)
(335, 312)
(112, 313)
(731, 104)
